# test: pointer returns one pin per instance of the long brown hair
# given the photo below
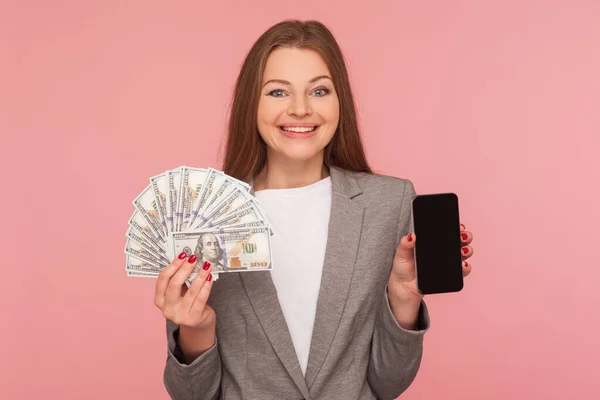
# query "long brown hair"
(245, 151)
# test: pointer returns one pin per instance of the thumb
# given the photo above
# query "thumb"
(405, 250)
(404, 265)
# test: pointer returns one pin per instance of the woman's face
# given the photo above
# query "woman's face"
(298, 110)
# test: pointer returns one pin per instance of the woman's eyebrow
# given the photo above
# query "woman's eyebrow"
(284, 82)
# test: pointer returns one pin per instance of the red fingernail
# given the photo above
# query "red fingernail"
(209, 277)
(182, 255)
(466, 264)
(410, 237)
(464, 236)
(192, 258)
(465, 250)
(206, 266)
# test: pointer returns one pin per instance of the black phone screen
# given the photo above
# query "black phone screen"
(437, 250)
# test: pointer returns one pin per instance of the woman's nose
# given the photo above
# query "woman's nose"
(299, 106)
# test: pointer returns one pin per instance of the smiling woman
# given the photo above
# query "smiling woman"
(339, 316)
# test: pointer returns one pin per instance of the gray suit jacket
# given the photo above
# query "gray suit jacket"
(358, 351)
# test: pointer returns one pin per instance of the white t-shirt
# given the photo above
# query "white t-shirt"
(300, 220)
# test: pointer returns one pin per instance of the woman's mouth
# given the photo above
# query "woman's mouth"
(298, 131)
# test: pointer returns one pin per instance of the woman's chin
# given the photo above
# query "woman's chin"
(298, 155)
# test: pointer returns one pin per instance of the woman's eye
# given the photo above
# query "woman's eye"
(276, 93)
(317, 92)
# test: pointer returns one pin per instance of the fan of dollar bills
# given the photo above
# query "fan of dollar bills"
(199, 211)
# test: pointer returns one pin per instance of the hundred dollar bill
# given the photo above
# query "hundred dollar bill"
(178, 212)
(142, 226)
(173, 183)
(251, 202)
(245, 215)
(230, 250)
(143, 275)
(137, 237)
(236, 199)
(253, 224)
(213, 180)
(138, 267)
(159, 187)
(192, 181)
(248, 223)
(223, 192)
(146, 205)
(240, 183)
(217, 188)
(135, 249)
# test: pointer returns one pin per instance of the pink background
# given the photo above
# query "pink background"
(495, 100)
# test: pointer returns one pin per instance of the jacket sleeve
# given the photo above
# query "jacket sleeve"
(200, 380)
(396, 352)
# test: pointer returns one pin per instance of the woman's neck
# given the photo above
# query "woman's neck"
(283, 174)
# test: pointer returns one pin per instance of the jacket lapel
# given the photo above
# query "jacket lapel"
(345, 227)
(263, 297)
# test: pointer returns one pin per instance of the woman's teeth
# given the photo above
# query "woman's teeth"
(298, 129)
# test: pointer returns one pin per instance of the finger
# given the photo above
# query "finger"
(202, 298)
(466, 252)
(174, 287)
(466, 237)
(466, 268)
(164, 277)
(196, 286)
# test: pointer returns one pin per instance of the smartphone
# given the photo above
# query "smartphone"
(437, 251)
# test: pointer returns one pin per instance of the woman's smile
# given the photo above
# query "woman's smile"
(296, 131)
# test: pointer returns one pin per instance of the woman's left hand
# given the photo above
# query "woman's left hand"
(402, 285)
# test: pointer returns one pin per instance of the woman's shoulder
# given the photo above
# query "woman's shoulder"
(383, 192)
(383, 185)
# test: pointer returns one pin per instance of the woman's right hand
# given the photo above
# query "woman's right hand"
(185, 306)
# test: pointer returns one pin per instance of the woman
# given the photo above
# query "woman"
(339, 316)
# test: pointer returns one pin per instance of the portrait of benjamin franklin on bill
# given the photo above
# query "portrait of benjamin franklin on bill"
(209, 249)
